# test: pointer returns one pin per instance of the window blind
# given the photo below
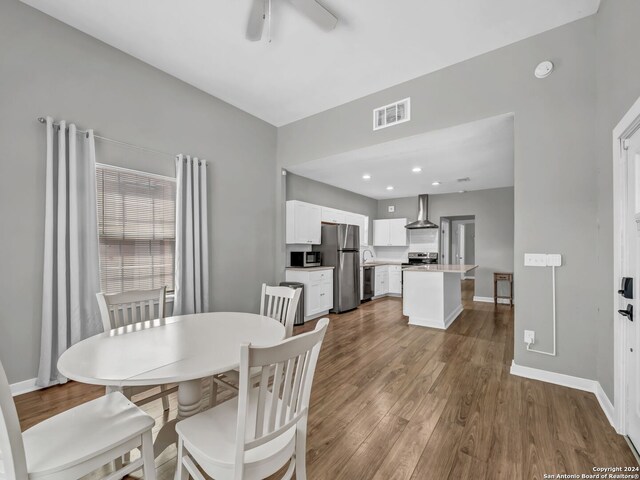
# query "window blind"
(136, 229)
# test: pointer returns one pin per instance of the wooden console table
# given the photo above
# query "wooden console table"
(502, 277)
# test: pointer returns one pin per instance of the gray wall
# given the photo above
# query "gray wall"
(49, 68)
(307, 190)
(404, 207)
(555, 169)
(618, 84)
(494, 226)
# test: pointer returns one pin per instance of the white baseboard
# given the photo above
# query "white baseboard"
(570, 381)
(605, 404)
(442, 325)
(452, 316)
(490, 300)
(25, 386)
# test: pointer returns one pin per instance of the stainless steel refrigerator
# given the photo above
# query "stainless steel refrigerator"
(341, 249)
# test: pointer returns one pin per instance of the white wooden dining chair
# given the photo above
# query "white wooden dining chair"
(120, 309)
(279, 303)
(76, 442)
(256, 433)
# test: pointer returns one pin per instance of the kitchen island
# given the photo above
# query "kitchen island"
(432, 294)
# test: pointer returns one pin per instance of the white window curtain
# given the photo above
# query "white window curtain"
(192, 242)
(71, 276)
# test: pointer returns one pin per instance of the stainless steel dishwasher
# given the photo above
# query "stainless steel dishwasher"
(367, 283)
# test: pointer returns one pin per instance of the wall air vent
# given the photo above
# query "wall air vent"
(392, 114)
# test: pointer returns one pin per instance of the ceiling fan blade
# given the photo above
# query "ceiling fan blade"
(255, 25)
(316, 13)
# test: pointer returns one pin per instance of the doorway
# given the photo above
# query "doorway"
(627, 264)
(458, 241)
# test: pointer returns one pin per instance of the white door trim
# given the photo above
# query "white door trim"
(625, 128)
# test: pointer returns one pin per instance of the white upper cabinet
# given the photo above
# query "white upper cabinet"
(390, 232)
(361, 221)
(397, 232)
(303, 223)
(380, 233)
(331, 215)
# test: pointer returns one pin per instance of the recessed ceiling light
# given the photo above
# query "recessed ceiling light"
(366, 176)
(435, 184)
(390, 187)
(416, 170)
(461, 191)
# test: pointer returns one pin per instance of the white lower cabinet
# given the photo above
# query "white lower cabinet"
(382, 281)
(395, 279)
(388, 280)
(318, 290)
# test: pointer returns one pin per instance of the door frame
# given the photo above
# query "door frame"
(462, 227)
(629, 124)
(445, 240)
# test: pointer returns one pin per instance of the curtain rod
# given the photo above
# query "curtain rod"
(117, 142)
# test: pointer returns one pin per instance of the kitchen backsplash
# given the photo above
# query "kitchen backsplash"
(422, 240)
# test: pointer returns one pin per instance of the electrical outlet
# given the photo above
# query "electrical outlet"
(529, 337)
(535, 259)
(554, 260)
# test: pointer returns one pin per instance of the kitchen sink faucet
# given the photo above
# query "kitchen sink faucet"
(364, 258)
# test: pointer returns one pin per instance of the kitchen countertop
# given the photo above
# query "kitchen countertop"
(308, 269)
(442, 268)
(380, 263)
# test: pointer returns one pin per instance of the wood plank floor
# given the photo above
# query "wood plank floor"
(392, 401)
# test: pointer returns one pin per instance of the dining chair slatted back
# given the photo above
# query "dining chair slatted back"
(13, 464)
(283, 400)
(126, 308)
(281, 304)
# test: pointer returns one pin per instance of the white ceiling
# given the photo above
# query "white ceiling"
(482, 151)
(304, 70)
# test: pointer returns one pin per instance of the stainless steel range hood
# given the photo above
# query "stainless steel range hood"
(423, 212)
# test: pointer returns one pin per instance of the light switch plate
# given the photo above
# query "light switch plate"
(529, 336)
(535, 259)
(391, 208)
(554, 260)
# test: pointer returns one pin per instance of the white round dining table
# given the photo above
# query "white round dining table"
(182, 349)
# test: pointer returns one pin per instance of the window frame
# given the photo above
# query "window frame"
(170, 294)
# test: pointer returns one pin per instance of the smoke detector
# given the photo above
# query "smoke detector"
(543, 69)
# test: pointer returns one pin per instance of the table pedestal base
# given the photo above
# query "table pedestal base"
(189, 403)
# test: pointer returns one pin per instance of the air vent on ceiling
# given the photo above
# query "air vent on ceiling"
(392, 114)
(464, 179)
